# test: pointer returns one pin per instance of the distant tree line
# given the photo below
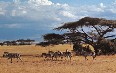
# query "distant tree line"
(18, 42)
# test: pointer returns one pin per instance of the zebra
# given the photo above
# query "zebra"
(50, 52)
(12, 55)
(43, 54)
(48, 55)
(67, 54)
(88, 49)
(57, 54)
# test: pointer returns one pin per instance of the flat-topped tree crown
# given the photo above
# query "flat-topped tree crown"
(101, 27)
(87, 21)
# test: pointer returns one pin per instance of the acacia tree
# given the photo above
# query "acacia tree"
(29, 41)
(25, 42)
(51, 39)
(100, 25)
(76, 33)
(100, 28)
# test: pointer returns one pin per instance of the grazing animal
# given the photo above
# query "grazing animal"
(88, 49)
(11, 56)
(5, 54)
(50, 52)
(47, 55)
(67, 54)
(43, 54)
(57, 54)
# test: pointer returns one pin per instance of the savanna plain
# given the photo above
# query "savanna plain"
(33, 63)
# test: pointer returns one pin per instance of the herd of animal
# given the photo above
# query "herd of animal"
(51, 55)
(57, 54)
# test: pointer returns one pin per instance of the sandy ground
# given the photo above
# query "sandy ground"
(33, 64)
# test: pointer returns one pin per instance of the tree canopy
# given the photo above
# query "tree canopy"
(101, 27)
(77, 32)
(88, 21)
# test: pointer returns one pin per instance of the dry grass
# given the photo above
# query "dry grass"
(32, 49)
(30, 64)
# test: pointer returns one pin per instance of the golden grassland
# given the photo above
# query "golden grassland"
(32, 49)
(33, 64)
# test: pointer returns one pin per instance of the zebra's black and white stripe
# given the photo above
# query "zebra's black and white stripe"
(12, 55)
(57, 54)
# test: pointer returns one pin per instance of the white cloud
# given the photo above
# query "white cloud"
(24, 12)
(10, 26)
(40, 2)
(16, 1)
(2, 12)
(114, 2)
(44, 11)
(38, 10)
(13, 25)
(13, 13)
(68, 14)
(44, 15)
(113, 11)
(57, 19)
(102, 5)
(92, 8)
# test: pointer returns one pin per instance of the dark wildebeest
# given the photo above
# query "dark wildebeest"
(87, 50)
(12, 55)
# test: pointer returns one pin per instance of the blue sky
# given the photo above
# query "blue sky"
(82, 2)
(33, 18)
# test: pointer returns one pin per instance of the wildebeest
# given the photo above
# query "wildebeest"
(12, 55)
